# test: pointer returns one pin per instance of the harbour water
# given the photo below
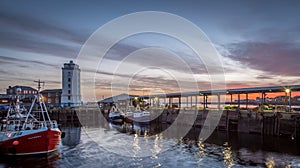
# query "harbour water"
(121, 145)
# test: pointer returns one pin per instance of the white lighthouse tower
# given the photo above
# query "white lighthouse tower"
(71, 85)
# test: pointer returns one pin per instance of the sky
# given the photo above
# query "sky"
(258, 43)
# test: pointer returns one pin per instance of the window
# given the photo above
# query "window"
(69, 85)
(69, 79)
(69, 91)
(69, 97)
(69, 73)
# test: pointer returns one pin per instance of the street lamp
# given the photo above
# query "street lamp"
(290, 94)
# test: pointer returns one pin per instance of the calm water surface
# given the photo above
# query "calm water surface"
(117, 145)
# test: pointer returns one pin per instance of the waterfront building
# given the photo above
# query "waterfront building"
(27, 94)
(71, 95)
(52, 97)
(25, 90)
(122, 101)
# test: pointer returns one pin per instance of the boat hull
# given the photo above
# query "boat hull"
(128, 119)
(29, 143)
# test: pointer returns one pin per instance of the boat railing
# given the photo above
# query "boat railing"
(40, 124)
(11, 125)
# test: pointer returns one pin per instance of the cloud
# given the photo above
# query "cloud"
(163, 52)
(274, 58)
(12, 60)
(24, 33)
(13, 21)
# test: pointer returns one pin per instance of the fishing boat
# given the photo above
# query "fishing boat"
(115, 115)
(30, 132)
(138, 116)
(128, 117)
(141, 116)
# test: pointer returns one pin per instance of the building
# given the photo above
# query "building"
(25, 90)
(4, 98)
(122, 101)
(52, 97)
(27, 94)
(71, 85)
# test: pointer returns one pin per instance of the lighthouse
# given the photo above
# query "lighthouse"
(71, 85)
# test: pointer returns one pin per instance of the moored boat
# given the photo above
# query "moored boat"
(138, 116)
(115, 115)
(28, 132)
(128, 117)
(141, 116)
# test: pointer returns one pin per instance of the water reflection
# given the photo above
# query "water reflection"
(72, 136)
(126, 145)
(49, 160)
(228, 159)
(231, 147)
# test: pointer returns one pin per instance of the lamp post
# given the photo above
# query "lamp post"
(288, 91)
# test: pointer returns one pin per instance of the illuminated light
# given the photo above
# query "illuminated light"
(16, 143)
(270, 163)
(228, 159)
(287, 90)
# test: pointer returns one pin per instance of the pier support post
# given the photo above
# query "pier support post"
(219, 103)
(239, 100)
(179, 102)
(247, 101)
(262, 101)
(196, 103)
(290, 105)
(187, 101)
(204, 106)
(206, 101)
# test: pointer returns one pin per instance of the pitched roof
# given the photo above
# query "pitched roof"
(23, 87)
(51, 91)
(117, 98)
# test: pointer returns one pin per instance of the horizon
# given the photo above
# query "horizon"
(257, 43)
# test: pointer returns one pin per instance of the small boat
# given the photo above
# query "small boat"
(138, 116)
(128, 117)
(115, 115)
(28, 132)
(141, 116)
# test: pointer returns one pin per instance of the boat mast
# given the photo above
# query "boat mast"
(42, 103)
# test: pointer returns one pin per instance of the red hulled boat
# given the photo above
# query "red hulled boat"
(28, 132)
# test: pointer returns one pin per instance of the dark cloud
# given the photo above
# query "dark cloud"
(24, 23)
(162, 55)
(275, 58)
(263, 77)
(24, 33)
(141, 82)
(19, 61)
